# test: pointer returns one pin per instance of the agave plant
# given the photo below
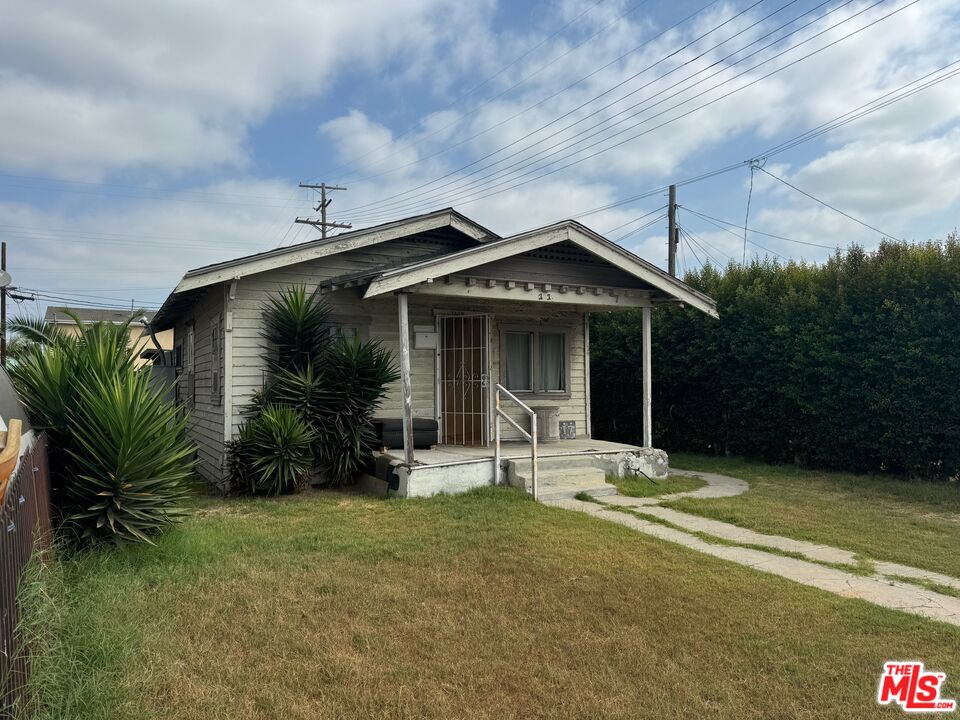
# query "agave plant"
(131, 466)
(274, 453)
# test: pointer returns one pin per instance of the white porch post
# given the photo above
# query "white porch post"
(647, 382)
(405, 378)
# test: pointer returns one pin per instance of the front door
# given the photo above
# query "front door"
(462, 370)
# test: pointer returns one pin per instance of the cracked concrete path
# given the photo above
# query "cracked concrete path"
(688, 530)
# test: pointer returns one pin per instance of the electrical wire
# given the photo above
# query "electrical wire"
(585, 104)
(469, 200)
(828, 205)
(472, 111)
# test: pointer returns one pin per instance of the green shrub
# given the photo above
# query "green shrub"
(118, 458)
(273, 454)
(852, 364)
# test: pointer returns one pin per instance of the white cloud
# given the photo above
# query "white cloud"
(86, 88)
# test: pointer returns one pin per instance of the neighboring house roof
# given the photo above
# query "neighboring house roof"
(60, 315)
(489, 247)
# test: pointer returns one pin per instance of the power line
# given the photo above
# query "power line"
(564, 115)
(631, 222)
(828, 205)
(168, 191)
(643, 227)
(570, 142)
(702, 266)
(708, 244)
(717, 222)
(472, 111)
(690, 239)
(469, 199)
(145, 196)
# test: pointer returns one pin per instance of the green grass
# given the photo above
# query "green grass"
(642, 486)
(878, 517)
(484, 605)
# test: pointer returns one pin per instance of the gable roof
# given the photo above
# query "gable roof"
(302, 252)
(489, 247)
(567, 230)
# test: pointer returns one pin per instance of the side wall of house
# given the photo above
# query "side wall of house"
(377, 318)
(206, 423)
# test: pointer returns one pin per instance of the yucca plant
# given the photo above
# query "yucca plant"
(131, 465)
(115, 446)
(274, 453)
(296, 327)
(334, 385)
(357, 375)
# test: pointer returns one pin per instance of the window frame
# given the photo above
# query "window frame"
(535, 330)
(359, 323)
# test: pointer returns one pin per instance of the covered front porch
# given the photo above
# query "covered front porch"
(492, 340)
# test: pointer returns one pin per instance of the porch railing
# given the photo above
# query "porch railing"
(530, 437)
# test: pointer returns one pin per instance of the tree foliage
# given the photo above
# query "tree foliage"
(850, 364)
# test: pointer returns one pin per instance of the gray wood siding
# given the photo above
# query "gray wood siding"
(205, 424)
(249, 367)
(252, 292)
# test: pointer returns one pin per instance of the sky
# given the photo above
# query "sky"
(144, 139)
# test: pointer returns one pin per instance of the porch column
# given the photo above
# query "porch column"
(405, 378)
(647, 382)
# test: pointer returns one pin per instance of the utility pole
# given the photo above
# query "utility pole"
(3, 306)
(322, 223)
(673, 232)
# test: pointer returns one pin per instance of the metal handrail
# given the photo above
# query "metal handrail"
(530, 437)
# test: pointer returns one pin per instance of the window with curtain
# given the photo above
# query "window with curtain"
(535, 360)
(552, 372)
(517, 361)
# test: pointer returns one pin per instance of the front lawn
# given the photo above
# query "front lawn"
(883, 518)
(484, 605)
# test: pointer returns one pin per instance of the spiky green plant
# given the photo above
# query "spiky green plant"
(106, 425)
(357, 375)
(296, 327)
(333, 384)
(274, 453)
(131, 466)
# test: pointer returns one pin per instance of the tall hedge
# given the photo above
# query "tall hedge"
(850, 364)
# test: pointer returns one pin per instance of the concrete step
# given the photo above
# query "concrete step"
(565, 483)
(522, 465)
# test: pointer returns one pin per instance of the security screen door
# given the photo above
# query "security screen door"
(463, 379)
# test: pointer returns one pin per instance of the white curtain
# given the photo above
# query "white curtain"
(517, 361)
(551, 362)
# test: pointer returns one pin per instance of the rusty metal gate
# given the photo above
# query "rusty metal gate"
(462, 371)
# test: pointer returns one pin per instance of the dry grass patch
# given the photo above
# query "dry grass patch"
(477, 606)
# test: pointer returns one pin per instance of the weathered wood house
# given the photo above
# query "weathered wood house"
(480, 321)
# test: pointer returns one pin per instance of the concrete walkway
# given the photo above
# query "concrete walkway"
(689, 530)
